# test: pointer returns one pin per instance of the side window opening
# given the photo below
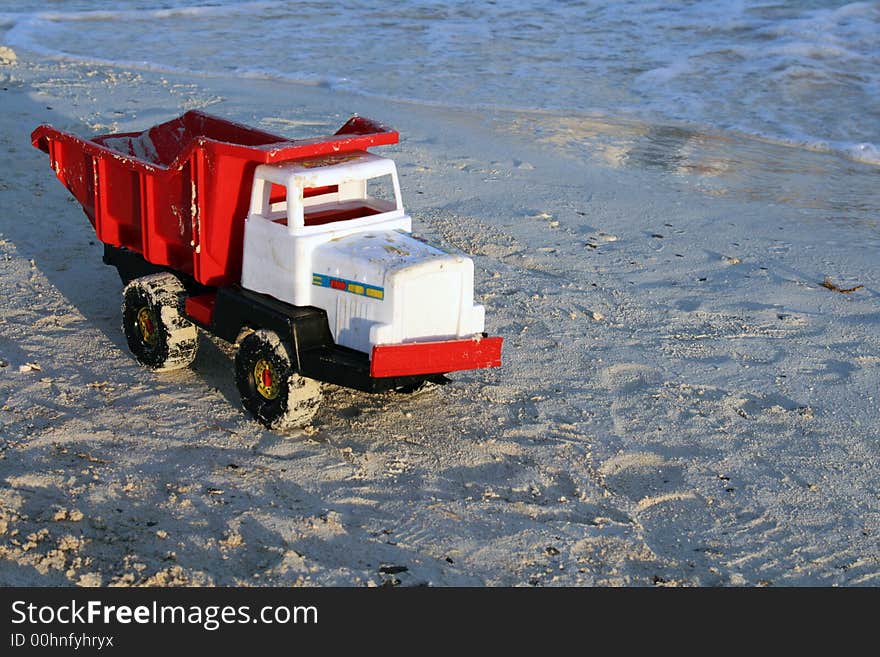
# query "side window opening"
(381, 189)
(277, 193)
(278, 203)
(349, 200)
(311, 192)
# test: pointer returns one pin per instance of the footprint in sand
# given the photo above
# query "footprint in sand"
(641, 475)
(629, 377)
(689, 304)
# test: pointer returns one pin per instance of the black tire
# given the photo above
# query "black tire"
(427, 384)
(271, 390)
(158, 333)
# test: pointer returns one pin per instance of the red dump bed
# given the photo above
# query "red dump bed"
(179, 192)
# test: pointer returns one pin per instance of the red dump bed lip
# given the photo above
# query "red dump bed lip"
(436, 357)
(358, 133)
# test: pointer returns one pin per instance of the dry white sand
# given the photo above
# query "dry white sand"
(681, 402)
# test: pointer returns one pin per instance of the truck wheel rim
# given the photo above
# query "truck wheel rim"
(266, 379)
(147, 325)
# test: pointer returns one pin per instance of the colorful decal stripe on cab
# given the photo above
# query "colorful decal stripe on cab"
(345, 285)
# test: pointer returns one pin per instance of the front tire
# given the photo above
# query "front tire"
(271, 390)
(158, 333)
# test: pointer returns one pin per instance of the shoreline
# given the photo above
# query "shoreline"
(681, 401)
(805, 70)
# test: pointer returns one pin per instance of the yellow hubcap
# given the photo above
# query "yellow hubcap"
(266, 379)
(147, 326)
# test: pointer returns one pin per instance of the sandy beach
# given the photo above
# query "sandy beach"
(682, 402)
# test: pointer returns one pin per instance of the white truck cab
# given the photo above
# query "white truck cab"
(331, 232)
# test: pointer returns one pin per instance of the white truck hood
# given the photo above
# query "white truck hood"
(399, 289)
(377, 254)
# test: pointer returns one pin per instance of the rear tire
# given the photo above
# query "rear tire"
(158, 333)
(271, 390)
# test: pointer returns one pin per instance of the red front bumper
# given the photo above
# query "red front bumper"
(435, 357)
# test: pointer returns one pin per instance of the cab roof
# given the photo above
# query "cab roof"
(319, 171)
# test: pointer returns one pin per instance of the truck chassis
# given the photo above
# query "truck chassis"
(237, 311)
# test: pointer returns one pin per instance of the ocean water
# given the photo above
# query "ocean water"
(802, 73)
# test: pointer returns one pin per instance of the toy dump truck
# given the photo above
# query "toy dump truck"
(298, 252)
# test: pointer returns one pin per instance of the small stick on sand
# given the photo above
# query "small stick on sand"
(843, 290)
